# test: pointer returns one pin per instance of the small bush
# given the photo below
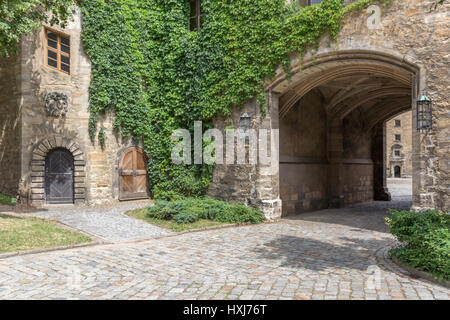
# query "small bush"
(185, 217)
(426, 238)
(4, 199)
(167, 195)
(189, 210)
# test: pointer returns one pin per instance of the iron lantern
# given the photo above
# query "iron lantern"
(245, 122)
(424, 115)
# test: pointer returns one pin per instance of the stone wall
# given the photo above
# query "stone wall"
(253, 185)
(9, 126)
(303, 156)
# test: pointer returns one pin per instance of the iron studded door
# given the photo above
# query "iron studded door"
(59, 182)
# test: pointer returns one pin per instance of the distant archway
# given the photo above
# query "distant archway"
(397, 172)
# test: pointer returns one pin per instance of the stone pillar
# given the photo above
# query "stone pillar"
(267, 184)
(256, 185)
(335, 168)
(380, 190)
(426, 184)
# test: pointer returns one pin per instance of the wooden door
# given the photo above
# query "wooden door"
(59, 180)
(133, 175)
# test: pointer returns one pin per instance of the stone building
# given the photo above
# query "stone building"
(330, 115)
(399, 146)
(45, 152)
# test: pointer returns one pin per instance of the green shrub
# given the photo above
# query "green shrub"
(4, 199)
(239, 213)
(426, 239)
(166, 195)
(161, 210)
(185, 217)
(189, 210)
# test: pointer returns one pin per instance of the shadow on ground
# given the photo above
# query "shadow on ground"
(316, 255)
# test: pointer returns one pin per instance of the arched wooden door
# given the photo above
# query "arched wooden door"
(133, 175)
(59, 182)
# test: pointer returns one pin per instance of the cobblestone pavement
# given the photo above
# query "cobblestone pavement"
(323, 255)
(107, 223)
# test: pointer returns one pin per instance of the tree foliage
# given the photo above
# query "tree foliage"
(19, 17)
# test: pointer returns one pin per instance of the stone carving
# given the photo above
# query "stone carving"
(56, 104)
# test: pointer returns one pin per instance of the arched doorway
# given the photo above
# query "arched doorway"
(133, 175)
(59, 177)
(332, 127)
(397, 172)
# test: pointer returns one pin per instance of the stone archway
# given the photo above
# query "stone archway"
(331, 120)
(394, 51)
(38, 168)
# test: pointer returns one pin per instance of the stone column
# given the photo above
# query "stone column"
(424, 158)
(335, 168)
(380, 190)
(267, 184)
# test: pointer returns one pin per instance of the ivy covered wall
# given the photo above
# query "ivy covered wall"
(155, 75)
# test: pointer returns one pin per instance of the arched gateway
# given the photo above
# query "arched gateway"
(331, 122)
(331, 112)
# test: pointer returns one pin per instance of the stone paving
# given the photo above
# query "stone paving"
(331, 254)
(109, 224)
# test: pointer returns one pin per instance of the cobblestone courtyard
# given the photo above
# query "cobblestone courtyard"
(331, 254)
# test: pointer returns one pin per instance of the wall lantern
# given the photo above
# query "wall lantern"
(245, 122)
(424, 115)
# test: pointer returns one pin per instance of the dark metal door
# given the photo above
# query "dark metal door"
(59, 183)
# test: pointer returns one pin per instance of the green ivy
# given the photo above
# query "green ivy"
(19, 17)
(156, 76)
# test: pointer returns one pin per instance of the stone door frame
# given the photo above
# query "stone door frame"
(40, 152)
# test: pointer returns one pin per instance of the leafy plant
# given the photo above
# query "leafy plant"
(426, 238)
(189, 210)
(185, 218)
(19, 17)
(4, 199)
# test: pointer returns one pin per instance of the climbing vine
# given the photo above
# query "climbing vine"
(155, 75)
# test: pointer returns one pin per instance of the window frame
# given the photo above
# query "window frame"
(58, 50)
(399, 137)
(397, 123)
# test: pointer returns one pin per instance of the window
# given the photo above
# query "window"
(57, 51)
(398, 123)
(397, 153)
(398, 137)
(196, 14)
(311, 2)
